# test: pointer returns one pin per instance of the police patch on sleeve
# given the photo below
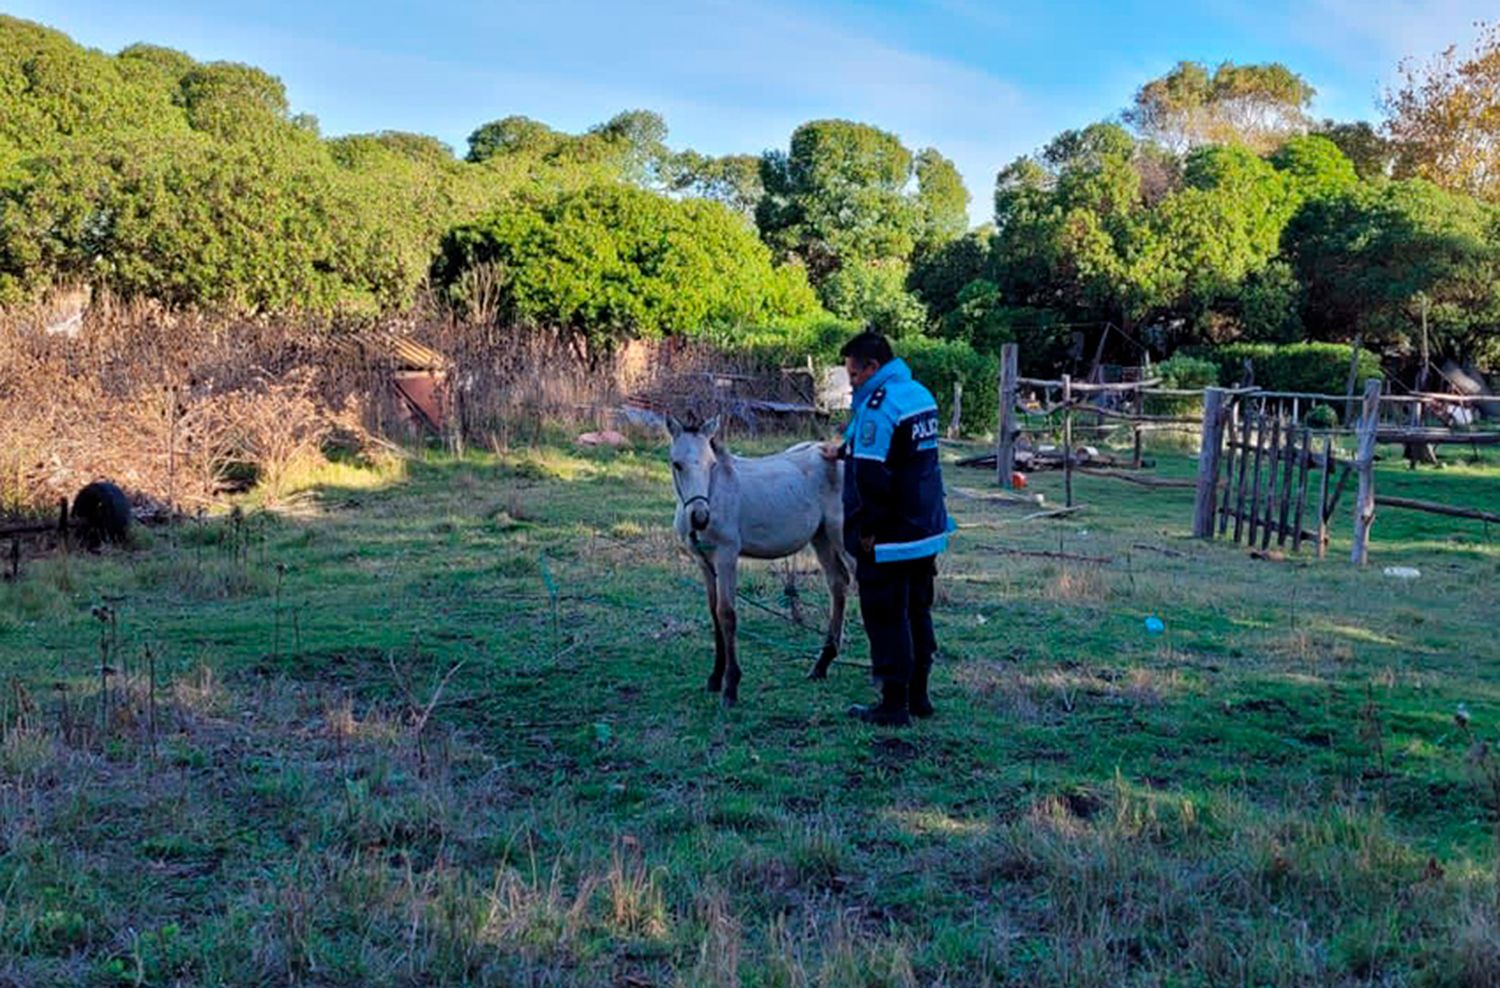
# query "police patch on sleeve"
(867, 433)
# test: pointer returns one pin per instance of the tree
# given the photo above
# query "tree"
(1444, 118)
(841, 194)
(512, 135)
(874, 293)
(612, 262)
(1371, 258)
(233, 101)
(938, 275)
(733, 179)
(1314, 165)
(635, 141)
(1255, 105)
(1371, 154)
(1070, 227)
(942, 200)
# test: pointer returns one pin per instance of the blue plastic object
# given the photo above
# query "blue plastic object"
(1155, 625)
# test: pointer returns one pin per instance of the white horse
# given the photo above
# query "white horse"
(762, 508)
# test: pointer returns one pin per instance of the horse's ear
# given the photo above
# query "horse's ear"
(674, 427)
(710, 428)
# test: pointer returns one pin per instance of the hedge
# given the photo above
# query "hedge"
(1316, 368)
(939, 363)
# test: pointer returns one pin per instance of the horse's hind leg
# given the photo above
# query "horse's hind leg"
(715, 678)
(836, 572)
(726, 567)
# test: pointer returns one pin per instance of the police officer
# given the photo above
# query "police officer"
(895, 523)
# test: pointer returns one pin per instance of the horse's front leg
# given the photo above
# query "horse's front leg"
(836, 572)
(710, 582)
(726, 563)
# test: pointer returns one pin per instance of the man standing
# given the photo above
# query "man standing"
(895, 523)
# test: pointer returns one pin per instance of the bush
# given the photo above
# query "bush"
(1316, 368)
(1322, 417)
(611, 263)
(939, 363)
(1182, 372)
(788, 342)
(875, 294)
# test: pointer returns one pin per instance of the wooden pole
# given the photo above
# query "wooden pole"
(1067, 383)
(1005, 431)
(1260, 452)
(1229, 453)
(1323, 495)
(1239, 506)
(1287, 475)
(1353, 373)
(1303, 464)
(1273, 478)
(1364, 462)
(958, 410)
(1208, 463)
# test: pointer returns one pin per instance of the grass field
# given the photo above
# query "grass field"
(442, 722)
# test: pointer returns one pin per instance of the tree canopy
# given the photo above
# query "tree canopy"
(1444, 118)
(1218, 212)
(1256, 105)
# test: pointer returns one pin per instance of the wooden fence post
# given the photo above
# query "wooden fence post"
(1005, 431)
(1323, 495)
(1353, 375)
(1208, 463)
(955, 423)
(1364, 462)
(1067, 390)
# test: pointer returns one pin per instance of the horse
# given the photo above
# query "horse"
(764, 507)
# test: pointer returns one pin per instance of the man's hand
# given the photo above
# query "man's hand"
(830, 450)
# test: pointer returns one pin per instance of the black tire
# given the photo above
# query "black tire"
(102, 513)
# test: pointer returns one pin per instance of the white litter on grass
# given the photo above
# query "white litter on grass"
(1403, 572)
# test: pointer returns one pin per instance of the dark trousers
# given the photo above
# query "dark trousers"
(895, 600)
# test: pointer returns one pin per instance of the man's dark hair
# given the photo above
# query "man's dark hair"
(869, 345)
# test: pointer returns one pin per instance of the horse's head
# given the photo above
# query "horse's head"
(694, 455)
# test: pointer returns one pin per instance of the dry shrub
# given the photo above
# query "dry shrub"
(168, 404)
(175, 406)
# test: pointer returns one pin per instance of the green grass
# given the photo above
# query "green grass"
(1274, 792)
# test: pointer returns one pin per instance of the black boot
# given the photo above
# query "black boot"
(919, 703)
(889, 712)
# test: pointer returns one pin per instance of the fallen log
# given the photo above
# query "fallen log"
(1436, 509)
(1142, 481)
(1046, 554)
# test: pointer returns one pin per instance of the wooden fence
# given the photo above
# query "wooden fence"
(1263, 472)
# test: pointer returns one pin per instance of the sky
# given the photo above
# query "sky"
(983, 82)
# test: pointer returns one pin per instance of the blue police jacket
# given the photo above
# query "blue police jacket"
(893, 486)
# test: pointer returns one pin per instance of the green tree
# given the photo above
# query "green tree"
(733, 179)
(942, 201)
(843, 194)
(1371, 154)
(1314, 165)
(874, 293)
(613, 262)
(1372, 258)
(512, 135)
(938, 275)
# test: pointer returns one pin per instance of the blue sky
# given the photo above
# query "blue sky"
(982, 82)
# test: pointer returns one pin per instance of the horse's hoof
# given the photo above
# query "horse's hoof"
(714, 685)
(818, 672)
(728, 700)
